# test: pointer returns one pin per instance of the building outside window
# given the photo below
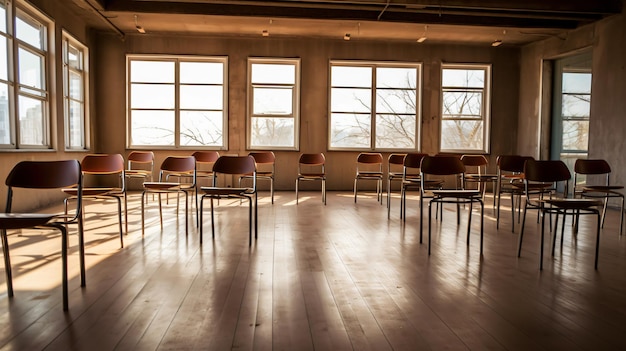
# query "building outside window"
(75, 87)
(273, 103)
(24, 94)
(374, 105)
(177, 101)
(465, 108)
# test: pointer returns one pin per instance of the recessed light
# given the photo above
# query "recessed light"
(346, 37)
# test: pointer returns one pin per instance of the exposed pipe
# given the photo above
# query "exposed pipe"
(383, 11)
(106, 20)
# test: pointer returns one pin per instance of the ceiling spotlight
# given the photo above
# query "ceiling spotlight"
(346, 37)
(497, 42)
(138, 27)
(423, 37)
(265, 33)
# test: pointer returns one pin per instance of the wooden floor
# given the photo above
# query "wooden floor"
(335, 277)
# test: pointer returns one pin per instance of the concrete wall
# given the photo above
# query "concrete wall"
(607, 41)
(315, 55)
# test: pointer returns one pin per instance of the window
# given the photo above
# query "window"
(465, 108)
(374, 105)
(575, 110)
(24, 95)
(75, 93)
(177, 101)
(273, 103)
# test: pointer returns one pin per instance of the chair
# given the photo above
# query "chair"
(480, 177)
(265, 163)
(411, 179)
(510, 175)
(173, 165)
(311, 167)
(140, 165)
(598, 191)
(449, 166)
(553, 172)
(232, 165)
(369, 166)
(29, 175)
(98, 166)
(395, 167)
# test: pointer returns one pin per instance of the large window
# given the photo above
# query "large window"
(374, 105)
(177, 102)
(24, 95)
(273, 103)
(465, 108)
(75, 93)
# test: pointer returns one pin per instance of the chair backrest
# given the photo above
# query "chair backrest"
(396, 159)
(442, 165)
(369, 162)
(474, 160)
(512, 163)
(412, 164)
(206, 156)
(312, 160)
(45, 175)
(178, 164)
(232, 165)
(263, 157)
(545, 172)
(103, 164)
(583, 166)
(140, 157)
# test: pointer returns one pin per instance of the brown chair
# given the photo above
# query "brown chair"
(603, 191)
(44, 175)
(553, 172)
(171, 165)
(369, 166)
(476, 172)
(411, 180)
(140, 165)
(96, 167)
(510, 175)
(311, 167)
(232, 166)
(448, 166)
(395, 168)
(265, 163)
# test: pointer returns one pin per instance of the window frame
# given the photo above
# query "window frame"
(295, 107)
(485, 119)
(373, 112)
(83, 72)
(177, 60)
(16, 88)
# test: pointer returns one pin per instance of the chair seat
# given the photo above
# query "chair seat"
(573, 204)
(162, 186)
(217, 191)
(456, 193)
(481, 177)
(602, 188)
(312, 175)
(24, 220)
(92, 191)
(137, 173)
(364, 175)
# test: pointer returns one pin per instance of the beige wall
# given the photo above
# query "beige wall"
(315, 56)
(607, 40)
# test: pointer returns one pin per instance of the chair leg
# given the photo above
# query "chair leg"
(621, 212)
(297, 181)
(482, 224)
(324, 191)
(119, 212)
(161, 210)
(272, 189)
(355, 189)
(186, 213)
(256, 215)
(200, 218)
(521, 232)
(250, 221)
(212, 220)
(429, 223)
(143, 205)
(469, 220)
(7, 262)
(126, 212)
(64, 266)
(422, 216)
(513, 212)
(597, 240)
(543, 219)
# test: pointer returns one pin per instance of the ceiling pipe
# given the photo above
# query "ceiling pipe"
(105, 19)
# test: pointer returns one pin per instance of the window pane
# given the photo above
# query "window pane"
(152, 72)
(576, 105)
(76, 127)
(387, 77)
(395, 132)
(74, 57)
(273, 73)
(461, 135)
(351, 76)
(201, 97)
(3, 18)
(31, 121)
(469, 78)
(351, 100)
(5, 123)
(350, 130)
(577, 83)
(462, 104)
(274, 101)
(203, 128)
(152, 96)
(395, 101)
(29, 31)
(201, 72)
(4, 63)
(272, 132)
(152, 128)
(30, 66)
(575, 135)
(76, 86)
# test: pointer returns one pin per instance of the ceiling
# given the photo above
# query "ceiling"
(440, 21)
